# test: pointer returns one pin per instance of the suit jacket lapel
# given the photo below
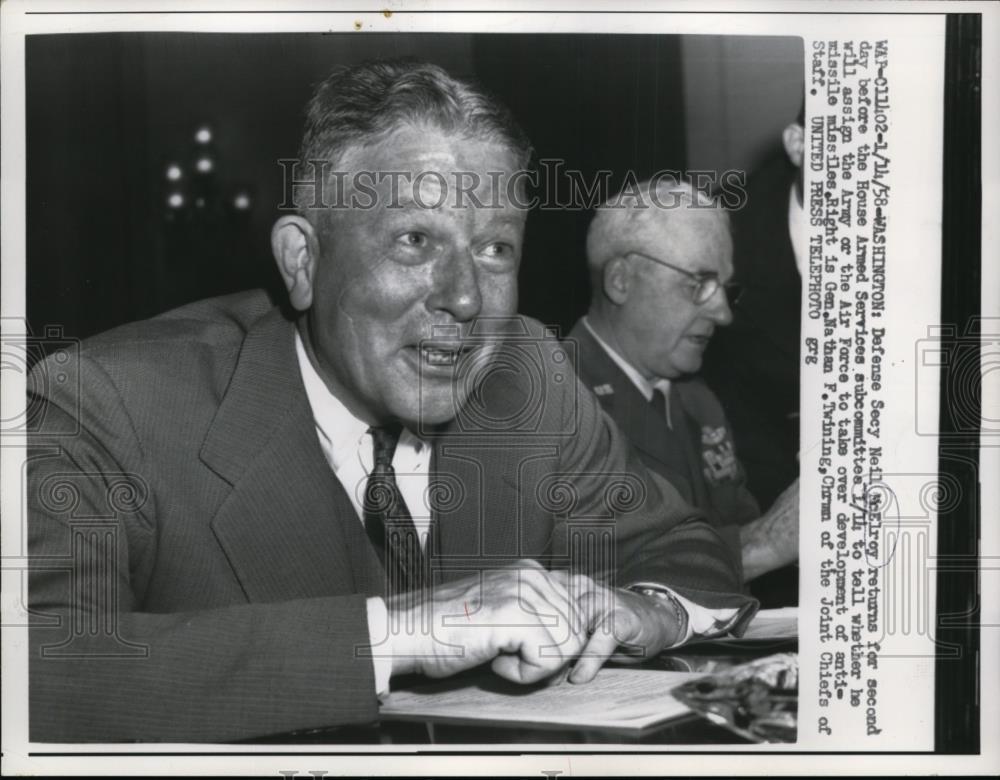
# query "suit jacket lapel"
(287, 528)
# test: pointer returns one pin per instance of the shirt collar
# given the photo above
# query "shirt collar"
(341, 431)
(342, 435)
(642, 384)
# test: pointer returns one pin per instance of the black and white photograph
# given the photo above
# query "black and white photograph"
(394, 389)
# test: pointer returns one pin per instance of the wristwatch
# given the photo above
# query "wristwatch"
(669, 600)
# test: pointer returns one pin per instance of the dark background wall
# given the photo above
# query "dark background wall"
(108, 113)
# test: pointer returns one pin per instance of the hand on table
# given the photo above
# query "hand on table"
(522, 618)
(626, 627)
(529, 623)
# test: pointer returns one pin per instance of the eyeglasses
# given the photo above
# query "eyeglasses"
(705, 285)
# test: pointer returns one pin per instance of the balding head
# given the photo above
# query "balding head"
(646, 250)
(659, 215)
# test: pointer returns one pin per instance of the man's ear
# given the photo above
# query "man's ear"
(296, 250)
(793, 138)
(617, 279)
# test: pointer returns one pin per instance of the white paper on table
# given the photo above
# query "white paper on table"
(774, 624)
(619, 698)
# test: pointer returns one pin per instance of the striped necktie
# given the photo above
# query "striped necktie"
(387, 520)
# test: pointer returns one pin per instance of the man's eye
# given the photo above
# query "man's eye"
(499, 250)
(414, 239)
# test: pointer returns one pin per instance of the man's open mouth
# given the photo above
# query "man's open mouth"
(444, 354)
(436, 356)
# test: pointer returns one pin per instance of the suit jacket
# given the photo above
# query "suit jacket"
(696, 455)
(198, 573)
(753, 364)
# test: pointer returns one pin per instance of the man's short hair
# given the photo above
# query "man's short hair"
(617, 226)
(364, 103)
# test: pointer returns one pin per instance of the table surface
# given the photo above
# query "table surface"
(687, 730)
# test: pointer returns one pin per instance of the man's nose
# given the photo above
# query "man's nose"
(456, 286)
(717, 307)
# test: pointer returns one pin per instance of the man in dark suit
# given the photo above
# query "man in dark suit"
(253, 520)
(659, 261)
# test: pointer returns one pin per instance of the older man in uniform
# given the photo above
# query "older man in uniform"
(660, 258)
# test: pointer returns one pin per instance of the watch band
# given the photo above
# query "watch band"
(667, 598)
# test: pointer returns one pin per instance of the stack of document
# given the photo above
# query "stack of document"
(617, 698)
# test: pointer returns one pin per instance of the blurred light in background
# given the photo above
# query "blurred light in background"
(195, 197)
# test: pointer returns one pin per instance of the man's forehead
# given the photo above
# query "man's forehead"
(697, 239)
(414, 149)
(430, 169)
(431, 156)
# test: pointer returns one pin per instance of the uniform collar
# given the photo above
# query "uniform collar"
(642, 384)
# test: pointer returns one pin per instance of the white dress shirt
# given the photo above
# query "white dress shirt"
(347, 447)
